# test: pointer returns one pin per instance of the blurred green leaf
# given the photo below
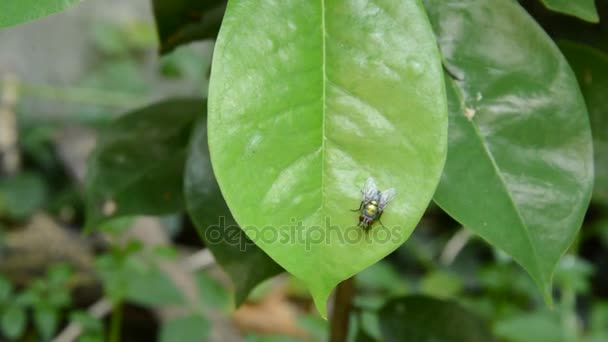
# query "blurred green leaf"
(421, 318)
(122, 76)
(92, 328)
(13, 322)
(382, 277)
(21, 195)
(152, 288)
(573, 272)
(86, 321)
(183, 21)
(213, 293)
(441, 284)
(137, 167)
(520, 165)
(46, 320)
(292, 139)
(19, 11)
(599, 316)
(118, 38)
(591, 68)
(270, 338)
(246, 264)
(193, 328)
(6, 289)
(316, 327)
(532, 327)
(583, 9)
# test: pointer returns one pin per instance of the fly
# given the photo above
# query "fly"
(373, 204)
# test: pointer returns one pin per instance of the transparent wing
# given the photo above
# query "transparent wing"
(386, 197)
(370, 191)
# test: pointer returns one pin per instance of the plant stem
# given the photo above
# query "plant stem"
(341, 312)
(116, 323)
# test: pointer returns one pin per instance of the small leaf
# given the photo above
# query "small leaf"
(6, 289)
(213, 293)
(183, 21)
(307, 99)
(532, 327)
(14, 12)
(21, 195)
(45, 320)
(520, 165)
(137, 167)
(420, 318)
(591, 68)
(13, 322)
(191, 328)
(441, 284)
(246, 263)
(583, 9)
(152, 288)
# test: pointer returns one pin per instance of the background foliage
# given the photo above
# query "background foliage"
(524, 182)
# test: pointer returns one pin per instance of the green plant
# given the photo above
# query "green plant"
(471, 106)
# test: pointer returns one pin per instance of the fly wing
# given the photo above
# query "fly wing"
(386, 197)
(370, 191)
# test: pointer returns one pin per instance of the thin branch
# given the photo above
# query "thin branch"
(454, 246)
(341, 311)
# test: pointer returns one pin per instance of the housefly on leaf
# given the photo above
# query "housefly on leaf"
(373, 204)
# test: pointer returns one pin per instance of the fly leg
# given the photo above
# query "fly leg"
(359, 209)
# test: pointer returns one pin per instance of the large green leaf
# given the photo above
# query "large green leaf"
(520, 167)
(138, 165)
(183, 21)
(420, 318)
(307, 100)
(246, 263)
(584, 9)
(591, 67)
(14, 12)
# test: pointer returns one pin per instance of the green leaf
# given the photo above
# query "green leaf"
(246, 264)
(13, 322)
(6, 289)
(583, 9)
(441, 284)
(14, 12)
(532, 327)
(152, 288)
(520, 166)
(45, 320)
(21, 195)
(307, 99)
(591, 68)
(137, 167)
(183, 21)
(421, 318)
(192, 328)
(213, 293)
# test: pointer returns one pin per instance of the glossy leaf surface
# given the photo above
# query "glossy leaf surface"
(591, 68)
(584, 9)
(13, 12)
(307, 100)
(520, 167)
(138, 165)
(246, 264)
(420, 318)
(183, 21)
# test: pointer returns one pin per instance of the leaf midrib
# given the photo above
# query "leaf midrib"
(323, 99)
